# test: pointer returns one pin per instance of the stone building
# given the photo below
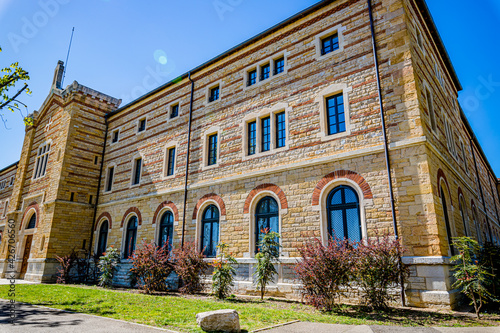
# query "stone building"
(283, 131)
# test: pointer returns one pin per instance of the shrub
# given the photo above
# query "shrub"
(190, 267)
(107, 265)
(152, 265)
(377, 266)
(471, 276)
(224, 271)
(489, 258)
(267, 256)
(323, 271)
(67, 263)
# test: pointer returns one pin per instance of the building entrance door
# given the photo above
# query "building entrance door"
(26, 255)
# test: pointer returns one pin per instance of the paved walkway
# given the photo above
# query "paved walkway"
(17, 281)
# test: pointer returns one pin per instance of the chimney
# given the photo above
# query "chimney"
(58, 75)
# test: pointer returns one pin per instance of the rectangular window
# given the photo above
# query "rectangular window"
(265, 72)
(12, 180)
(252, 78)
(279, 66)
(335, 114)
(252, 138)
(142, 125)
(6, 206)
(109, 183)
(171, 161)
(430, 108)
(115, 136)
(174, 111)
(137, 171)
(329, 44)
(266, 133)
(214, 94)
(91, 198)
(96, 159)
(72, 196)
(280, 130)
(41, 161)
(464, 157)
(212, 149)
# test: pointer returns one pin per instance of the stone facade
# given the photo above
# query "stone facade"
(433, 152)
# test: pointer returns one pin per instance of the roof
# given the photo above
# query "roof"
(9, 166)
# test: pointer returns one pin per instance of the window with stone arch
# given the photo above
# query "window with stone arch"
(32, 222)
(130, 237)
(344, 215)
(102, 240)
(463, 214)
(266, 218)
(476, 226)
(446, 218)
(210, 231)
(166, 235)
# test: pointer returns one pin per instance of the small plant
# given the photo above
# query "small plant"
(471, 276)
(224, 271)
(107, 266)
(190, 267)
(266, 257)
(323, 271)
(377, 266)
(67, 263)
(152, 265)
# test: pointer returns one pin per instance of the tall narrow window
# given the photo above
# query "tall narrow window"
(166, 229)
(476, 225)
(265, 72)
(5, 207)
(115, 136)
(329, 44)
(212, 149)
(41, 161)
(130, 237)
(335, 114)
(266, 219)
(463, 213)
(171, 162)
(252, 138)
(266, 134)
(32, 222)
(344, 214)
(137, 171)
(279, 66)
(103, 238)
(447, 222)
(430, 109)
(214, 94)
(109, 179)
(252, 78)
(210, 231)
(174, 111)
(12, 180)
(280, 130)
(142, 125)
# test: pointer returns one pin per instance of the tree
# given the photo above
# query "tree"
(266, 258)
(10, 77)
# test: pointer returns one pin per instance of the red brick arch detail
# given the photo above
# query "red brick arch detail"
(443, 176)
(104, 215)
(132, 210)
(266, 187)
(211, 196)
(163, 205)
(37, 211)
(341, 174)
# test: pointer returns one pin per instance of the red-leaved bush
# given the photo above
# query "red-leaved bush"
(190, 267)
(152, 265)
(323, 270)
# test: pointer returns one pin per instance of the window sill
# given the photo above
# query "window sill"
(266, 153)
(325, 137)
(264, 82)
(209, 167)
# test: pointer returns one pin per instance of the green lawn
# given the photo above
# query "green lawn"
(176, 312)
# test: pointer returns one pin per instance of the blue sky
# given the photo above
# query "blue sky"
(125, 48)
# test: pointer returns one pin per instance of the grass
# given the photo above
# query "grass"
(178, 312)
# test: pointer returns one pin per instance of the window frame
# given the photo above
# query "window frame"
(321, 99)
(318, 42)
(209, 90)
(171, 108)
(126, 238)
(99, 235)
(269, 61)
(343, 207)
(108, 185)
(172, 227)
(171, 161)
(42, 160)
(335, 114)
(212, 221)
(268, 216)
(134, 171)
(113, 133)
(139, 121)
(209, 132)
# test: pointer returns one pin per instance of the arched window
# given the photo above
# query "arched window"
(476, 225)
(447, 221)
(266, 218)
(32, 222)
(463, 213)
(130, 237)
(344, 221)
(166, 229)
(103, 238)
(210, 231)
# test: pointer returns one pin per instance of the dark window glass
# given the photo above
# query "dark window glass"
(464, 220)
(103, 238)
(32, 222)
(167, 229)
(266, 218)
(335, 114)
(210, 231)
(252, 78)
(137, 171)
(175, 111)
(280, 130)
(252, 138)
(214, 94)
(279, 65)
(329, 44)
(265, 71)
(109, 184)
(131, 236)
(142, 125)
(115, 136)
(171, 162)
(266, 133)
(212, 149)
(447, 222)
(343, 214)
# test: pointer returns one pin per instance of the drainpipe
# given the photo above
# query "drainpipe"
(184, 208)
(386, 144)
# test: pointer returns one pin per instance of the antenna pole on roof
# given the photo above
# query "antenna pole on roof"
(67, 57)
